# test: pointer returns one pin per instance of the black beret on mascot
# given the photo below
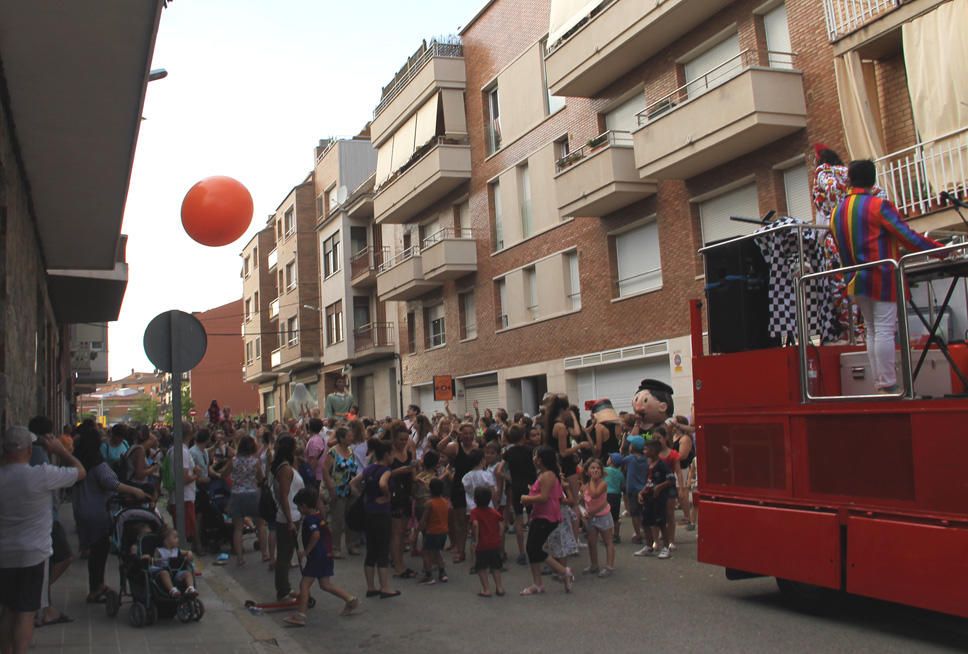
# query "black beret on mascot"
(652, 403)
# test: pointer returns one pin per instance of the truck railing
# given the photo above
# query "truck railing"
(804, 340)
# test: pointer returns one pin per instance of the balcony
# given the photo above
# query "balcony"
(273, 259)
(256, 372)
(401, 277)
(449, 254)
(432, 67)
(373, 340)
(274, 309)
(736, 108)
(616, 37)
(365, 264)
(915, 177)
(444, 167)
(846, 16)
(600, 177)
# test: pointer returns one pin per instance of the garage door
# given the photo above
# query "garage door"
(618, 382)
(428, 405)
(483, 389)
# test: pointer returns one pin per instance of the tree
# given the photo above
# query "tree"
(187, 404)
(146, 411)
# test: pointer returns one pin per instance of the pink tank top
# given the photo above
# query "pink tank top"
(550, 510)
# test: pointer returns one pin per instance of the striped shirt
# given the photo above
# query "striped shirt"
(866, 229)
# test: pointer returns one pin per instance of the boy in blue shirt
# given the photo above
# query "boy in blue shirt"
(636, 473)
(615, 481)
(660, 487)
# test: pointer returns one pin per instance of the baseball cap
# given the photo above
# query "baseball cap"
(17, 438)
(637, 443)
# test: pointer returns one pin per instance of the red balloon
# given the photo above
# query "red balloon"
(216, 211)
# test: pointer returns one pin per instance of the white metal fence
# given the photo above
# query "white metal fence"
(915, 177)
(845, 16)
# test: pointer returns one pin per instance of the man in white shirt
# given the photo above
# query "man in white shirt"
(25, 526)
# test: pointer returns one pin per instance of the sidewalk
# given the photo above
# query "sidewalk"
(226, 627)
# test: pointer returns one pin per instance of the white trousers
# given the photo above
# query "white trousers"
(880, 319)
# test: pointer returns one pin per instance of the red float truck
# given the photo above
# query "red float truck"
(866, 494)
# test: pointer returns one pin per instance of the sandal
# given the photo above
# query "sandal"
(296, 620)
(372, 593)
(350, 606)
(101, 597)
(569, 579)
(483, 594)
(395, 593)
(406, 574)
(532, 590)
(499, 593)
(63, 618)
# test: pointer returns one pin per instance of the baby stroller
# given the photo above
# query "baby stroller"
(137, 533)
(211, 505)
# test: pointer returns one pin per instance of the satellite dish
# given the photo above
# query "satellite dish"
(341, 194)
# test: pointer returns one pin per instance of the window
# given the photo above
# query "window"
(245, 266)
(320, 204)
(293, 329)
(290, 221)
(434, 324)
(713, 67)
(248, 352)
(561, 148)
(97, 346)
(334, 323)
(411, 332)
(282, 279)
(258, 347)
(331, 255)
(278, 229)
(269, 405)
(624, 117)
(361, 311)
(638, 262)
(574, 283)
(715, 214)
(778, 37)
(290, 275)
(796, 187)
(357, 240)
(255, 303)
(464, 219)
(468, 315)
(498, 219)
(552, 102)
(501, 291)
(524, 187)
(332, 199)
(531, 292)
(248, 310)
(493, 120)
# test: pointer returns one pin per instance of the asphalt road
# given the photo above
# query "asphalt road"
(649, 605)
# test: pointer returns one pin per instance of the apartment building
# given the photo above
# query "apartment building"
(358, 338)
(901, 79)
(62, 256)
(288, 321)
(605, 143)
(216, 377)
(260, 315)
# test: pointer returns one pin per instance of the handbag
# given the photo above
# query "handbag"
(267, 504)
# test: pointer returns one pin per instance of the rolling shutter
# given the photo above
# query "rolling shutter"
(715, 214)
(796, 187)
(484, 390)
(618, 382)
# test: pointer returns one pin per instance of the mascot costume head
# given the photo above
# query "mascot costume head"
(652, 403)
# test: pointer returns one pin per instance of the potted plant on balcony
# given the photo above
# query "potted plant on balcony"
(595, 142)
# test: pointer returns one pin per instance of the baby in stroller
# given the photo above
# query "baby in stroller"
(171, 567)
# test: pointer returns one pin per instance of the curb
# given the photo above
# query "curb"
(267, 636)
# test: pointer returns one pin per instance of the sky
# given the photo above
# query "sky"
(252, 86)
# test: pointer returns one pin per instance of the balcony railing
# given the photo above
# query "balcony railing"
(273, 259)
(711, 79)
(361, 261)
(846, 16)
(413, 66)
(612, 137)
(447, 232)
(398, 258)
(915, 177)
(275, 359)
(373, 335)
(274, 309)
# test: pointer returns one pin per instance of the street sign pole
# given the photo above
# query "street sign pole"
(176, 424)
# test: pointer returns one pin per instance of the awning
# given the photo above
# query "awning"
(75, 74)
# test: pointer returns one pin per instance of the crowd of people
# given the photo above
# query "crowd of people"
(486, 488)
